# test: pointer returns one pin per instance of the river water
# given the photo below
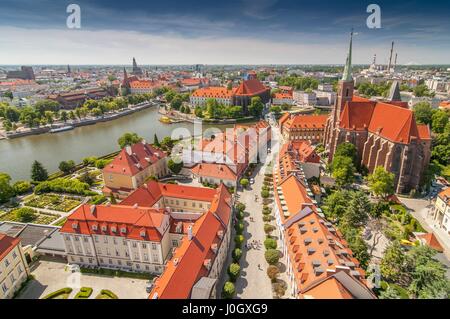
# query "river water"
(17, 155)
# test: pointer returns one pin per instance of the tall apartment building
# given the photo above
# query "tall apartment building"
(13, 266)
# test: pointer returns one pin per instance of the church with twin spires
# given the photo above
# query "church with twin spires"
(385, 133)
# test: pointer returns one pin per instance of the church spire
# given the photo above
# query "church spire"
(347, 77)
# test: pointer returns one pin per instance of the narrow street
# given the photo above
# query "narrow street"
(254, 282)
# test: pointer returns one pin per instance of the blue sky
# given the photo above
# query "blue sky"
(221, 32)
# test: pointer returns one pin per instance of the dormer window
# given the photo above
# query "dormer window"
(142, 233)
(74, 225)
(104, 228)
(123, 230)
(94, 227)
(113, 229)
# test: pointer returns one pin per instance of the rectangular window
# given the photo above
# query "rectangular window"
(134, 244)
(6, 262)
(144, 246)
(154, 246)
(4, 288)
(85, 239)
(20, 269)
(76, 238)
(14, 255)
(175, 243)
(105, 240)
(96, 239)
(12, 278)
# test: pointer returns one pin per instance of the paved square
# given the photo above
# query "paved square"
(51, 276)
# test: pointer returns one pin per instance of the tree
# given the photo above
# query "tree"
(86, 178)
(336, 204)
(439, 120)
(357, 245)
(393, 262)
(128, 139)
(268, 229)
(24, 214)
(64, 117)
(198, 112)
(175, 166)
(6, 190)
(272, 256)
(22, 187)
(156, 141)
(66, 167)
(233, 271)
(381, 182)
(237, 254)
(348, 150)
(238, 240)
(272, 272)
(244, 182)
(176, 103)
(228, 290)
(356, 214)
(38, 172)
(390, 293)
(239, 227)
(343, 170)
(270, 243)
(422, 90)
(423, 112)
(256, 106)
(167, 143)
(49, 117)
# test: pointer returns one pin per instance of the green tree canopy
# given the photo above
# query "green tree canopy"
(38, 172)
(128, 139)
(343, 170)
(423, 112)
(381, 182)
(6, 190)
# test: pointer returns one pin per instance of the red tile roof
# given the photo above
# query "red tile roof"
(250, 87)
(219, 171)
(187, 265)
(132, 160)
(307, 122)
(213, 92)
(148, 194)
(431, 240)
(7, 244)
(139, 223)
(144, 84)
(392, 122)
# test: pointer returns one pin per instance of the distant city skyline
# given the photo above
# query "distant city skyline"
(232, 32)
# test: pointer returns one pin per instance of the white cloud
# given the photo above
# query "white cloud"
(50, 46)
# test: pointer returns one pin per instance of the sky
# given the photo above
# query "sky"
(222, 32)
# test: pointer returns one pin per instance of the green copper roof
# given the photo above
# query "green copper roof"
(347, 77)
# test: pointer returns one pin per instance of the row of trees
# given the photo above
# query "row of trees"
(48, 111)
(299, 82)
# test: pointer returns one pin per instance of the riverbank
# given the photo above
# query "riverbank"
(61, 127)
(177, 117)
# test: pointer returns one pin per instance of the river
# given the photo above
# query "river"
(17, 155)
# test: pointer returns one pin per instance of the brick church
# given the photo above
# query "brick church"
(385, 133)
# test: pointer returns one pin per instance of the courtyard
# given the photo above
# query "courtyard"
(52, 275)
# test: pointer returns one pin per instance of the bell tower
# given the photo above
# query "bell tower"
(346, 86)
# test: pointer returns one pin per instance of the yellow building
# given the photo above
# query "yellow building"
(13, 267)
(132, 167)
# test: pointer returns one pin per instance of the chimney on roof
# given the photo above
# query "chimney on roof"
(189, 232)
(128, 150)
(135, 206)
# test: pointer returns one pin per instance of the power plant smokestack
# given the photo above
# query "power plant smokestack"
(390, 58)
(395, 61)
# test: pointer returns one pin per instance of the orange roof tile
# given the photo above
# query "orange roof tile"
(220, 171)
(142, 156)
(307, 121)
(7, 244)
(213, 92)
